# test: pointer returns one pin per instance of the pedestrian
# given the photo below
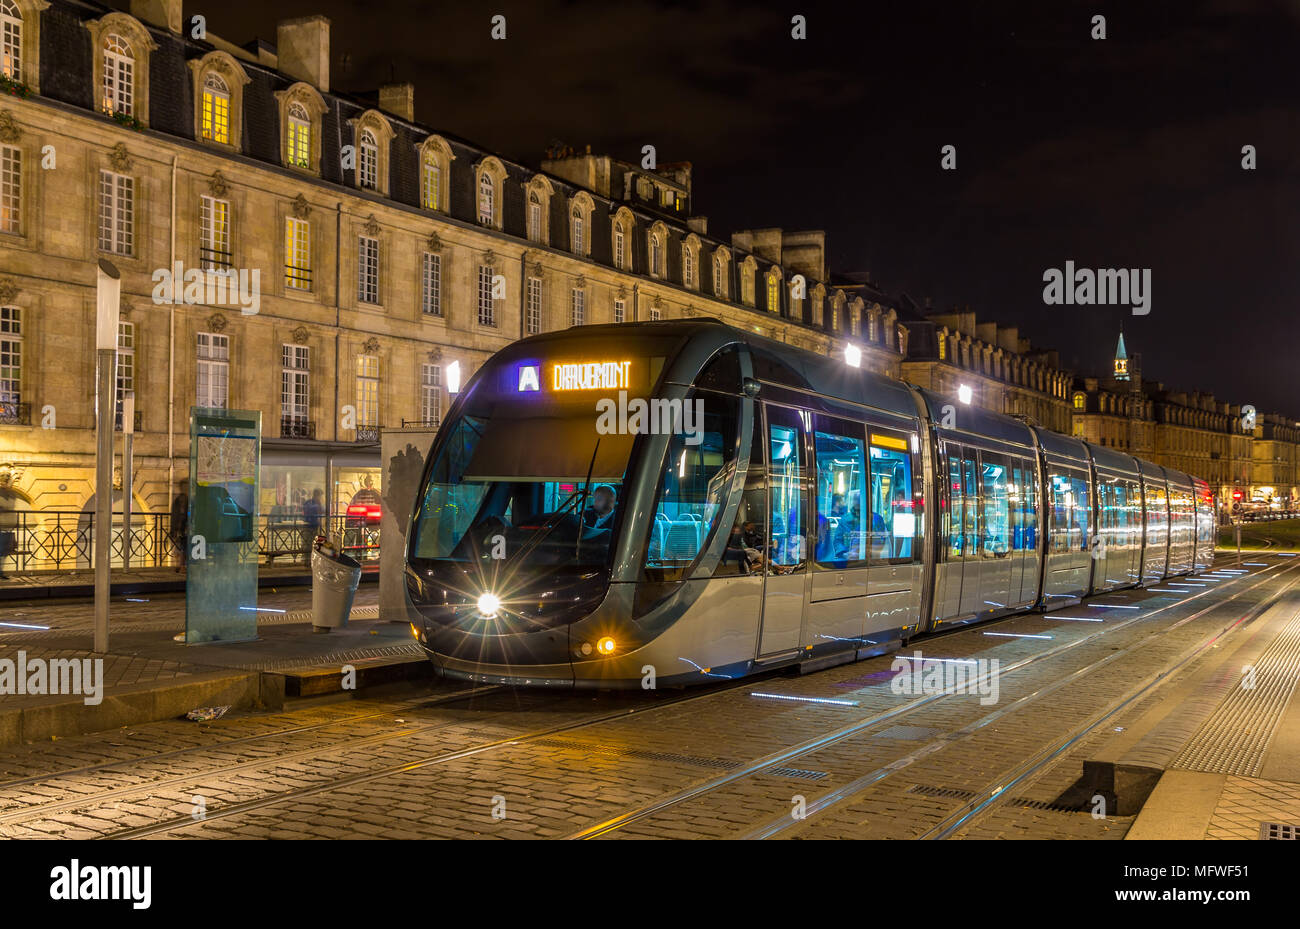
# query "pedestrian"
(313, 513)
(180, 528)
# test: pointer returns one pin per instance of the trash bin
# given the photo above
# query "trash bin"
(334, 579)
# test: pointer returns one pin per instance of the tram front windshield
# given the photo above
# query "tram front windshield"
(522, 489)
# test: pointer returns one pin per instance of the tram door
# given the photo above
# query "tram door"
(785, 562)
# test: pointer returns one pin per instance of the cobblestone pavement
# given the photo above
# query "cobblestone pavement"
(725, 762)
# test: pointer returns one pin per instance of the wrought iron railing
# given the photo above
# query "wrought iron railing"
(15, 414)
(369, 434)
(64, 540)
(293, 428)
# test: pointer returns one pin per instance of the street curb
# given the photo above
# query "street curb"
(304, 682)
(83, 591)
(131, 706)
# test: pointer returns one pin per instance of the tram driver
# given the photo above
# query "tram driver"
(600, 513)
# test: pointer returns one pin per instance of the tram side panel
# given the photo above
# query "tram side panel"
(1155, 502)
(1205, 525)
(1182, 515)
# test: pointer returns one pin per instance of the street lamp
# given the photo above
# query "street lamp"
(108, 296)
(963, 393)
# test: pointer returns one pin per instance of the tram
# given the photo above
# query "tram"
(686, 502)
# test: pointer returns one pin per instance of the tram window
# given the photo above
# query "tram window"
(970, 516)
(693, 488)
(893, 516)
(993, 489)
(1063, 526)
(1079, 534)
(841, 478)
(954, 515)
(788, 528)
(1015, 506)
(1029, 506)
(748, 538)
(722, 372)
(450, 505)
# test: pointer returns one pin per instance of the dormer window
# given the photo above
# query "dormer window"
(216, 109)
(119, 76)
(298, 137)
(368, 161)
(487, 198)
(579, 232)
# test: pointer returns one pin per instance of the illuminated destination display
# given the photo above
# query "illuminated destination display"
(597, 375)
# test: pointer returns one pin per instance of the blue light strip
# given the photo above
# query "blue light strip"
(1113, 606)
(1078, 619)
(23, 626)
(805, 699)
(260, 609)
(1019, 635)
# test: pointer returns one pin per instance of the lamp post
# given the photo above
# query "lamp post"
(128, 435)
(108, 294)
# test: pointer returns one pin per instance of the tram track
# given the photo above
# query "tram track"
(785, 757)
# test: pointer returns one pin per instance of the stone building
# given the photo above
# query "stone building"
(956, 354)
(382, 260)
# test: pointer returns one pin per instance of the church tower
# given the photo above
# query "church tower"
(1121, 360)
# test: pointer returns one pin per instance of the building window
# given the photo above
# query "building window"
(432, 185)
(620, 248)
(212, 383)
(487, 196)
(431, 394)
(216, 109)
(367, 391)
(368, 161)
(214, 234)
(655, 313)
(943, 348)
(125, 368)
(11, 188)
(119, 78)
(297, 254)
(579, 232)
(747, 285)
(719, 276)
(295, 381)
(656, 255)
(773, 294)
(578, 307)
(534, 216)
(11, 363)
(487, 311)
(533, 316)
(1079, 401)
(620, 311)
(431, 284)
(855, 322)
(835, 318)
(298, 140)
(11, 41)
(688, 267)
(367, 269)
(116, 213)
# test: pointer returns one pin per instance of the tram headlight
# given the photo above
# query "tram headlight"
(606, 646)
(489, 604)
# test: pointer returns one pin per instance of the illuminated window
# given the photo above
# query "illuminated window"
(943, 348)
(431, 284)
(367, 391)
(119, 76)
(1079, 401)
(125, 367)
(212, 381)
(368, 161)
(620, 311)
(579, 232)
(214, 233)
(719, 276)
(11, 40)
(578, 307)
(216, 109)
(11, 188)
(298, 140)
(11, 363)
(295, 384)
(297, 254)
(655, 314)
(773, 294)
(116, 213)
(432, 185)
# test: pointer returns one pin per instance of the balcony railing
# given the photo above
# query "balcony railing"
(64, 540)
(15, 414)
(368, 434)
(291, 428)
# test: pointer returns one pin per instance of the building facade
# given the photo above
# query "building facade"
(319, 257)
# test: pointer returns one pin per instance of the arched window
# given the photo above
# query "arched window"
(620, 247)
(1079, 401)
(431, 184)
(773, 294)
(368, 161)
(579, 231)
(216, 109)
(487, 197)
(656, 255)
(11, 40)
(534, 216)
(688, 266)
(298, 141)
(119, 76)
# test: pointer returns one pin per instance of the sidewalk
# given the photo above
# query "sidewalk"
(148, 676)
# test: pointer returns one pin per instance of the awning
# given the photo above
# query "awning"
(540, 448)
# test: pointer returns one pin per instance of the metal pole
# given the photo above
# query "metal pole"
(128, 437)
(108, 294)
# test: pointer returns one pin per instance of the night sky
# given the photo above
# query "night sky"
(1123, 153)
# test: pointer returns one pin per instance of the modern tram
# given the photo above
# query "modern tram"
(689, 502)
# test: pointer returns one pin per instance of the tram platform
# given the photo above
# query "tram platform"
(148, 676)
